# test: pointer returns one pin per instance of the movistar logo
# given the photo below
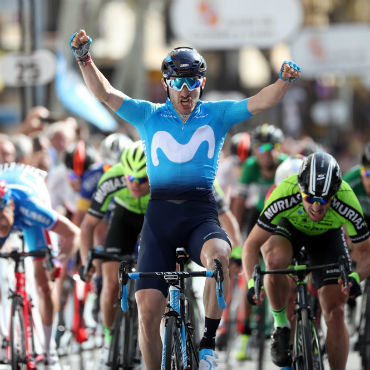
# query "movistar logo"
(182, 153)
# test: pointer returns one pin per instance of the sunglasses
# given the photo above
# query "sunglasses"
(178, 83)
(266, 147)
(311, 199)
(140, 180)
(365, 171)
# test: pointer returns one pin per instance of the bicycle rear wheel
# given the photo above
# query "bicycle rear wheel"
(192, 339)
(129, 333)
(114, 356)
(17, 337)
(172, 349)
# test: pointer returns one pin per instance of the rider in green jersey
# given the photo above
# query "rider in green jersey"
(310, 209)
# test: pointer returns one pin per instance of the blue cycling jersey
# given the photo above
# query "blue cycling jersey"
(30, 196)
(182, 158)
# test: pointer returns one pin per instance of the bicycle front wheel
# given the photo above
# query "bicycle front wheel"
(303, 351)
(17, 337)
(172, 350)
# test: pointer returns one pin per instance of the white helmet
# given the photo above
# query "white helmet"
(112, 147)
(288, 167)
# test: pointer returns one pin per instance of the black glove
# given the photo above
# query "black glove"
(250, 295)
(355, 289)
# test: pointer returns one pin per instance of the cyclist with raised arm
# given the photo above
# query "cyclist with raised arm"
(182, 141)
(309, 208)
(25, 206)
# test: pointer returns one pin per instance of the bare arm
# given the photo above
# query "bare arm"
(70, 234)
(231, 226)
(87, 235)
(95, 80)
(251, 249)
(272, 94)
(361, 253)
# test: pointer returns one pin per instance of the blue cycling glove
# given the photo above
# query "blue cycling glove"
(82, 51)
(292, 65)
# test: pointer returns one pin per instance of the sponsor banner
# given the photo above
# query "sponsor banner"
(231, 24)
(342, 48)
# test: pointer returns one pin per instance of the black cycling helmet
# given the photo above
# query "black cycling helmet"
(240, 145)
(319, 175)
(267, 133)
(365, 159)
(183, 62)
(79, 157)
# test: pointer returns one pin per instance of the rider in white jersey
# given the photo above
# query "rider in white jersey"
(25, 206)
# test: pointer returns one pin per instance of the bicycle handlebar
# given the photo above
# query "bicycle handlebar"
(258, 274)
(171, 278)
(95, 254)
(18, 256)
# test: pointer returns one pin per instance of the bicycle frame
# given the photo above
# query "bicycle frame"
(305, 320)
(20, 293)
(177, 299)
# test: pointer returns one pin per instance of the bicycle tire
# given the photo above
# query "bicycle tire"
(32, 343)
(261, 336)
(173, 353)
(192, 339)
(306, 333)
(192, 312)
(364, 330)
(129, 347)
(114, 354)
(18, 352)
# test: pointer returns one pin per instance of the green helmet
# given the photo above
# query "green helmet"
(133, 160)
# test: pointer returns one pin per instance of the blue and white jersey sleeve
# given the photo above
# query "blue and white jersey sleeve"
(30, 196)
(182, 158)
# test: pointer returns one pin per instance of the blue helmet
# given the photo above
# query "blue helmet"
(5, 194)
(183, 62)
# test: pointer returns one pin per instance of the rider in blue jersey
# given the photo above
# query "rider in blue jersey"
(25, 206)
(182, 141)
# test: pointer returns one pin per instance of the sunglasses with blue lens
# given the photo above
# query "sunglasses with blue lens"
(365, 171)
(311, 199)
(178, 83)
(140, 180)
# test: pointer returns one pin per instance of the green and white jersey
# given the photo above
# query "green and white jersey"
(113, 185)
(286, 201)
(253, 184)
(353, 177)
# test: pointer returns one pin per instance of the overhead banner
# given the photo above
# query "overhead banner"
(341, 48)
(231, 24)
